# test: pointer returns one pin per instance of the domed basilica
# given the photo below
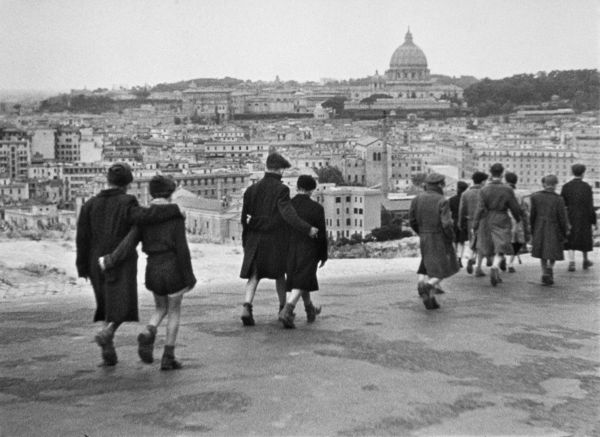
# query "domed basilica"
(405, 85)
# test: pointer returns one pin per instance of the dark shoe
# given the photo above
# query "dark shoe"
(489, 262)
(503, 264)
(426, 291)
(247, 318)
(286, 316)
(104, 339)
(587, 264)
(422, 289)
(438, 290)
(460, 264)
(434, 304)
(511, 269)
(546, 279)
(146, 344)
(479, 273)
(470, 264)
(312, 312)
(494, 276)
(571, 266)
(169, 362)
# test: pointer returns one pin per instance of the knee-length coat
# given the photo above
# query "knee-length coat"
(579, 201)
(304, 252)
(492, 222)
(430, 217)
(104, 220)
(548, 225)
(266, 210)
(460, 234)
(467, 209)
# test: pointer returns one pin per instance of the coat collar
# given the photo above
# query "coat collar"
(268, 174)
(434, 188)
(111, 192)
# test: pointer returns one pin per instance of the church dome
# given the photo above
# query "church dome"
(408, 55)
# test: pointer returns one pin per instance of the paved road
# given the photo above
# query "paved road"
(519, 359)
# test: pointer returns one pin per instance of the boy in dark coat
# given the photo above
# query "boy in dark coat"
(104, 220)
(466, 217)
(266, 212)
(430, 217)
(579, 201)
(304, 254)
(460, 235)
(492, 222)
(549, 227)
(169, 272)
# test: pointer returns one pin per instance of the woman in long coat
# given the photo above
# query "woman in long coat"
(549, 227)
(430, 217)
(579, 201)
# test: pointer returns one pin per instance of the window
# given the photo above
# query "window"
(338, 223)
(338, 200)
(348, 198)
(348, 222)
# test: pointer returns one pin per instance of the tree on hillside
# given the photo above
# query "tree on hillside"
(330, 175)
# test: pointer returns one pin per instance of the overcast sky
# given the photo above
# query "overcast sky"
(64, 44)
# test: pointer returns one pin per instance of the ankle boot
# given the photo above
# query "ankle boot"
(311, 312)
(168, 361)
(286, 316)
(247, 318)
(146, 344)
(104, 339)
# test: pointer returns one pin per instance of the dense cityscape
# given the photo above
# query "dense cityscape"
(369, 142)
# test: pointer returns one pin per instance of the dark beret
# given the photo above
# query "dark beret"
(550, 180)
(434, 178)
(461, 186)
(277, 162)
(119, 174)
(478, 177)
(511, 177)
(162, 186)
(578, 169)
(306, 182)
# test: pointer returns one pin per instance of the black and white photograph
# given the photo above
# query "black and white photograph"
(299, 218)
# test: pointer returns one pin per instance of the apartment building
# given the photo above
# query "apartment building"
(351, 210)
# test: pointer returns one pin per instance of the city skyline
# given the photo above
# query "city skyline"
(59, 44)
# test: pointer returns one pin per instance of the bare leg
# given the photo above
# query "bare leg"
(160, 310)
(295, 296)
(250, 289)
(173, 317)
(281, 292)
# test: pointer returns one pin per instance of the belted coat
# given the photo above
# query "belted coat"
(430, 217)
(266, 212)
(104, 220)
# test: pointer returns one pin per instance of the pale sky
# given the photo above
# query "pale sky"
(64, 44)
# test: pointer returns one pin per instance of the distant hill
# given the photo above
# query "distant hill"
(462, 81)
(226, 82)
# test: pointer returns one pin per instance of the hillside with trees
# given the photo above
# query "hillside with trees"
(576, 89)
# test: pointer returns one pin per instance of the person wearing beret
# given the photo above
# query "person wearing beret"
(431, 219)
(466, 215)
(579, 201)
(549, 226)
(493, 223)
(104, 220)
(169, 272)
(266, 212)
(304, 254)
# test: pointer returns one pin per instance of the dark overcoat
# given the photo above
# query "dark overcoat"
(548, 225)
(460, 234)
(169, 264)
(430, 217)
(304, 252)
(579, 201)
(104, 220)
(492, 222)
(266, 210)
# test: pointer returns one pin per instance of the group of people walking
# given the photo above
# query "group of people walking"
(285, 239)
(492, 220)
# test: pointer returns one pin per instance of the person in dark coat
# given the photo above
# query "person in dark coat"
(521, 232)
(304, 254)
(579, 201)
(169, 272)
(466, 217)
(104, 220)
(492, 222)
(266, 212)
(460, 235)
(549, 227)
(431, 219)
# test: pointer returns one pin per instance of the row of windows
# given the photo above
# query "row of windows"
(349, 199)
(357, 222)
